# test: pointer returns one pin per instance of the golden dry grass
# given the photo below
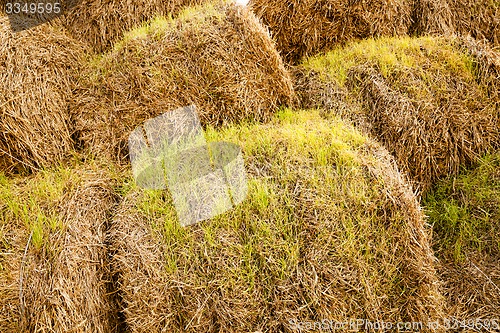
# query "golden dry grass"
(36, 70)
(217, 57)
(480, 19)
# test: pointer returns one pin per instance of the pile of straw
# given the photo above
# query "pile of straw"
(306, 27)
(139, 269)
(480, 19)
(62, 283)
(429, 138)
(432, 17)
(434, 117)
(486, 64)
(217, 57)
(101, 23)
(467, 241)
(331, 235)
(36, 69)
(472, 288)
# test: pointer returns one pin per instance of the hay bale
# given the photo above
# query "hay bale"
(304, 28)
(480, 19)
(10, 265)
(138, 265)
(102, 23)
(313, 92)
(486, 64)
(472, 289)
(425, 99)
(62, 283)
(432, 17)
(430, 139)
(330, 230)
(217, 57)
(36, 69)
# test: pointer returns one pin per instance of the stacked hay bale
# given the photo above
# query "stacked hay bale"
(329, 230)
(54, 275)
(36, 69)
(304, 28)
(217, 57)
(102, 23)
(429, 102)
(486, 64)
(480, 19)
(432, 17)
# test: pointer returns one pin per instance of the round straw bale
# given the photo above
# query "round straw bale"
(56, 277)
(306, 27)
(329, 230)
(486, 63)
(430, 138)
(101, 23)
(217, 57)
(434, 106)
(36, 69)
(432, 17)
(480, 19)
